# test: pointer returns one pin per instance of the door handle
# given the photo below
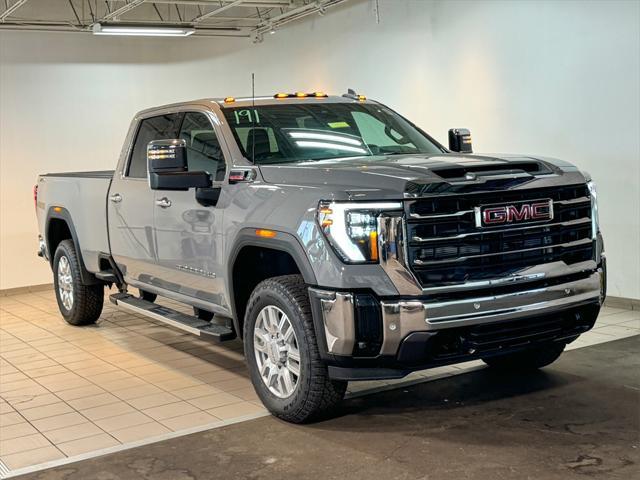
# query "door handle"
(163, 202)
(116, 198)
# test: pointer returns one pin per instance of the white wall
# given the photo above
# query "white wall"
(557, 78)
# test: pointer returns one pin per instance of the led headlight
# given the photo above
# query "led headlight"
(352, 228)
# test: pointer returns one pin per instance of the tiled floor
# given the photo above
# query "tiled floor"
(67, 391)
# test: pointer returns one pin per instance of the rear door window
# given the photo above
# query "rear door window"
(162, 127)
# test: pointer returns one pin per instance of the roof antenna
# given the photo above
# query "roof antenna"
(253, 118)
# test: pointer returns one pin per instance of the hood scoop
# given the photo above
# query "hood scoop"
(472, 172)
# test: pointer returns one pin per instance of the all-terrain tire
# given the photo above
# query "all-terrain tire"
(87, 300)
(531, 359)
(315, 393)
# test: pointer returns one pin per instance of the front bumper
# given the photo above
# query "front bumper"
(363, 337)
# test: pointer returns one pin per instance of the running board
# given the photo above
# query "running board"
(173, 318)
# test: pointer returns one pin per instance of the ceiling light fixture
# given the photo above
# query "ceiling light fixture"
(142, 31)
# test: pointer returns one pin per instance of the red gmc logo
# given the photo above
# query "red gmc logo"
(519, 212)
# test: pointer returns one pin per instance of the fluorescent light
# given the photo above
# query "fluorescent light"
(326, 136)
(331, 146)
(142, 31)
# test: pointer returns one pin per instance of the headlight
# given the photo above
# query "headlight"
(595, 221)
(352, 228)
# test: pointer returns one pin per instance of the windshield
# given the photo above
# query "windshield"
(302, 132)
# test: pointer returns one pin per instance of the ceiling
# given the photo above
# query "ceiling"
(242, 18)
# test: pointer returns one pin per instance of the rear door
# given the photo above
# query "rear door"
(188, 234)
(131, 203)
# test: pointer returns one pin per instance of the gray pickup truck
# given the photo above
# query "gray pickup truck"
(335, 237)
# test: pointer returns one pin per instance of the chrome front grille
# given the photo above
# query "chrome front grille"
(445, 247)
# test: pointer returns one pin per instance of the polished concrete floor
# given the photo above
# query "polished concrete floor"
(579, 418)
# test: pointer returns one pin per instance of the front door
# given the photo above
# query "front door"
(188, 235)
(131, 204)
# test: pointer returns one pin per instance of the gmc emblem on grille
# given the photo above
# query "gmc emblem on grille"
(517, 212)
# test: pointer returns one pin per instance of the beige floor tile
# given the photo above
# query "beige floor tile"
(59, 421)
(6, 388)
(21, 444)
(122, 421)
(12, 377)
(106, 411)
(109, 377)
(213, 401)
(170, 410)
(73, 432)
(80, 392)
(177, 384)
(29, 401)
(45, 411)
(139, 432)
(16, 430)
(235, 384)
(90, 372)
(195, 392)
(248, 394)
(63, 381)
(154, 400)
(93, 401)
(45, 371)
(32, 457)
(236, 410)
(83, 445)
(25, 393)
(191, 420)
(124, 384)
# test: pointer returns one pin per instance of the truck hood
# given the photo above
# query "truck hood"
(417, 175)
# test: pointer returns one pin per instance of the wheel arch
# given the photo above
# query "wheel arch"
(286, 253)
(58, 227)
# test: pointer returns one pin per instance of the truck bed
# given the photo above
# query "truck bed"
(90, 174)
(83, 196)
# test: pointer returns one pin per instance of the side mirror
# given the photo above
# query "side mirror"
(460, 140)
(167, 164)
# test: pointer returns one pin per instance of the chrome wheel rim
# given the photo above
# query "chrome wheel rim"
(65, 283)
(276, 349)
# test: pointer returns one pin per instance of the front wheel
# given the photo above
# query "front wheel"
(530, 359)
(282, 354)
(79, 304)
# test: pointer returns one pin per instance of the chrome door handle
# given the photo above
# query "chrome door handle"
(116, 198)
(164, 202)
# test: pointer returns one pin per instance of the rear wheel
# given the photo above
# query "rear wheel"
(281, 350)
(530, 359)
(79, 304)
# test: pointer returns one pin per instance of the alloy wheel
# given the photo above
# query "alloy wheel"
(276, 349)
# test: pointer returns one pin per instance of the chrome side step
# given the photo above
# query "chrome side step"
(173, 318)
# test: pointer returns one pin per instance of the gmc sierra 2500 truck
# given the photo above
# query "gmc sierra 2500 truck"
(335, 237)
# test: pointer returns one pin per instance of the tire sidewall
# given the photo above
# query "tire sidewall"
(263, 297)
(63, 251)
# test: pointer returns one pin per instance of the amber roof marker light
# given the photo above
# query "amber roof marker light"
(229, 100)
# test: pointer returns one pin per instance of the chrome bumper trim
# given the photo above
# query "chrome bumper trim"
(404, 317)
(337, 318)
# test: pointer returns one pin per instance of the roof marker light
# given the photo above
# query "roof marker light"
(362, 98)
(229, 100)
(301, 94)
(281, 95)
